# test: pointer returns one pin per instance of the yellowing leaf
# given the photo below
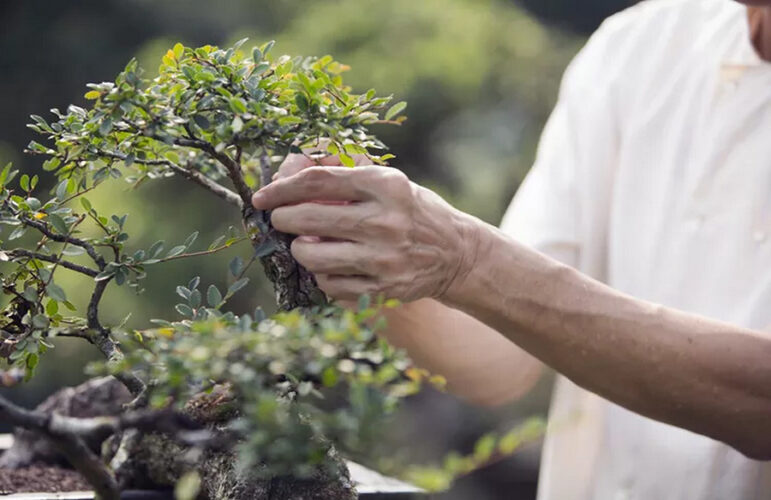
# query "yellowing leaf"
(347, 160)
(178, 50)
(438, 381)
(39, 215)
(415, 374)
(167, 332)
(93, 94)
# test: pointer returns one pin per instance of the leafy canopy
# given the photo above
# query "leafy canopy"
(220, 118)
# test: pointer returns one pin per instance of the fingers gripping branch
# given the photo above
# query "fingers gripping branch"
(294, 285)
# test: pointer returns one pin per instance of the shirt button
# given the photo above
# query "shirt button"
(759, 236)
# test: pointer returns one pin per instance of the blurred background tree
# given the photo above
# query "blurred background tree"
(480, 75)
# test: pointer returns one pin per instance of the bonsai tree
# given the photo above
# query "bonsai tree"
(222, 405)
(211, 385)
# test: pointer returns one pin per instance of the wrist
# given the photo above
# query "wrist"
(473, 238)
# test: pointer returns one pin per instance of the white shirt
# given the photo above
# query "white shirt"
(654, 176)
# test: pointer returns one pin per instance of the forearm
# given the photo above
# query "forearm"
(702, 375)
(479, 363)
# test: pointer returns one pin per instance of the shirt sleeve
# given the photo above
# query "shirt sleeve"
(562, 208)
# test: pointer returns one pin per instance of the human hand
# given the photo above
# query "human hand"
(370, 230)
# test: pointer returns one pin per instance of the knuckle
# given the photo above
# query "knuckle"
(395, 180)
(315, 178)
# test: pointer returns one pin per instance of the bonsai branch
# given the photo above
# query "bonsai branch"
(21, 253)
(103, 340)
(60, 238)
(70, 445)
(70, 435)
(232, 167)
(200, 179)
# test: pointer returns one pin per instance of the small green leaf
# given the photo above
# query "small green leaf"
(301, 101)
(184, 310)
(202, 122)
(329, 377)
(266, 48)
(58, 224)
(155, 249)
(61, 190)
(175, 251)
(484, 448)
(17, 233)
(239, 43)
(395, 110)
(120, 276)
(237, 286)
(236, 266)
(50, 165)
(5, 174)
(52, 307)
(190, 240)
(213, 296)
(237, 125)
(509, 442)
(216, 243)
(105, 275)
(33, 358)
(347, 160)
(40, 321)
(178, 50)
(237, 105)
(56, 292)
(30, 294)
(85, 204)
(260, 69)
(265, 248)
(106, 126)
(195, 299)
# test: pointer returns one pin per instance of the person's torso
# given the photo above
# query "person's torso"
(689, 226)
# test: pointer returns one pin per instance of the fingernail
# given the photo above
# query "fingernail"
(257, 198)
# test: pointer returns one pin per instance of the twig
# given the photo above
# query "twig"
(80, 193)
(50, 258)
(203, 252)
(64, 247)
(200, 179)
(43, 228)
(232, 167)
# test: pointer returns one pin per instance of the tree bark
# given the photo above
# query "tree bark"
(153, 461)
(294, 286)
